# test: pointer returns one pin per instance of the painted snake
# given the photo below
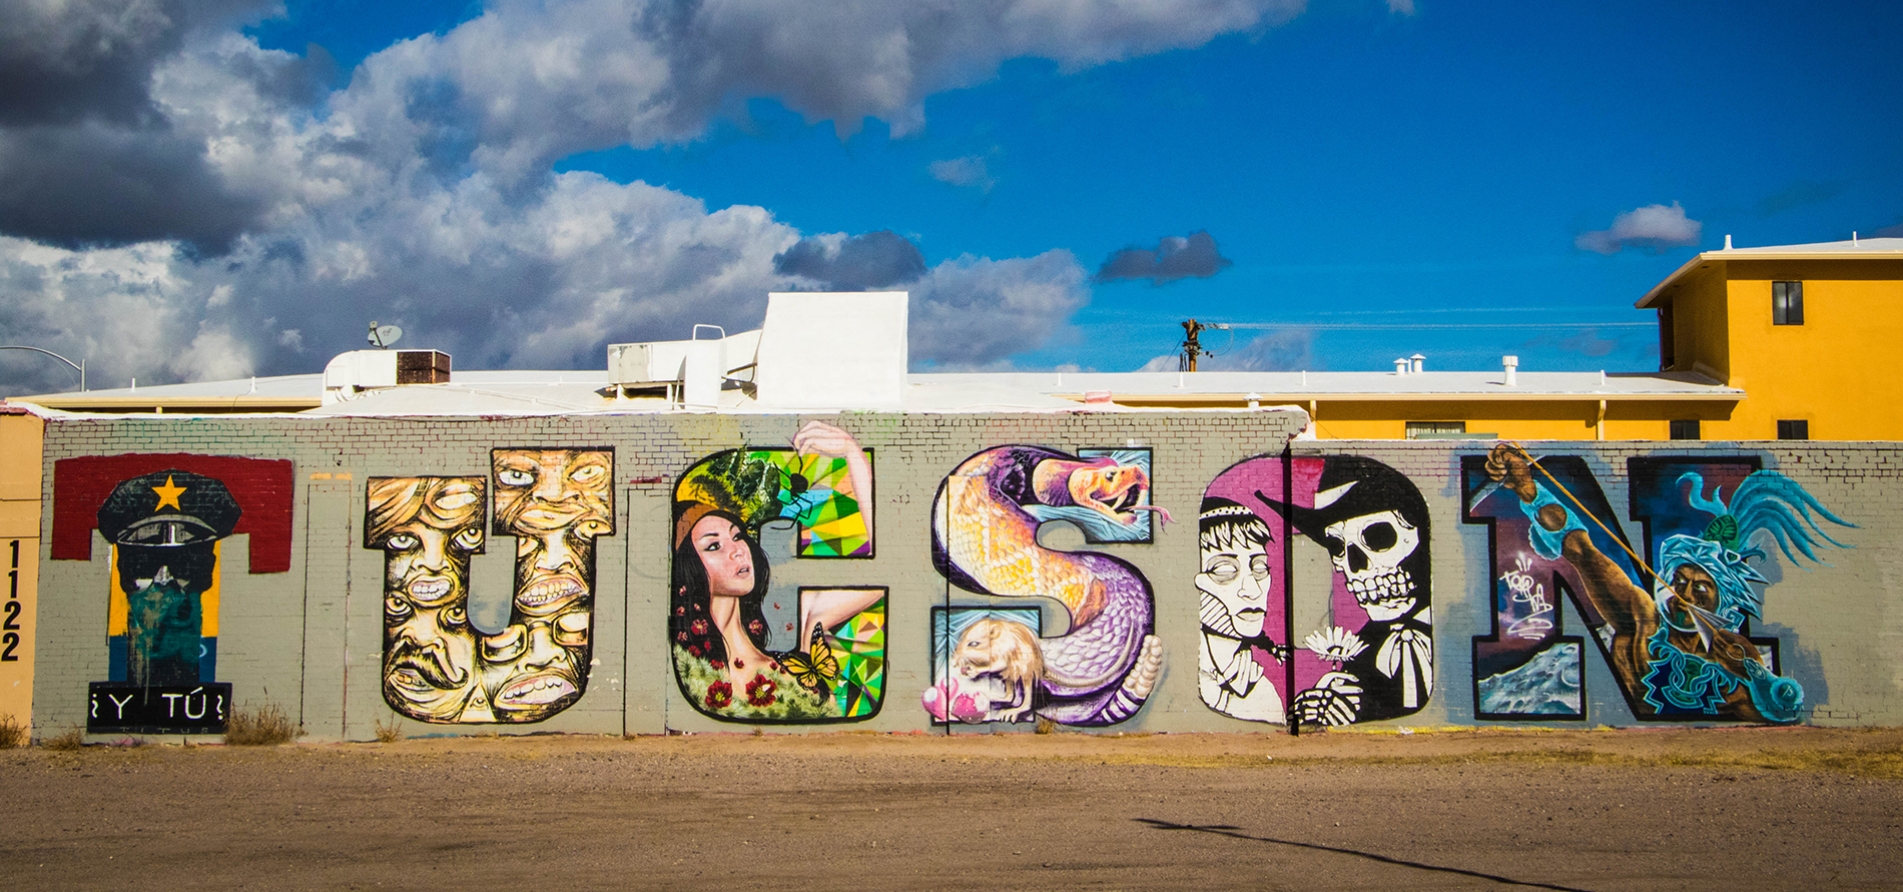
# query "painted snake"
(984, 539)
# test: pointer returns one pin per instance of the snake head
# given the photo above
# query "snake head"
(1116, 491)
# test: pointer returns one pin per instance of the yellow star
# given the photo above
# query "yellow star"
(168, 494)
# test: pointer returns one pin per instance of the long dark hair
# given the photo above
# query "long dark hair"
(689, 598)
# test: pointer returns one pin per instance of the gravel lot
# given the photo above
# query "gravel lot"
(1674, 809)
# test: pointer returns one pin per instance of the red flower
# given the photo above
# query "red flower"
(699, 627)
(693, 650)
(761, 690)
(718, 664)
(681, 637)
(719, 695)
(756, 627)
(680, 611)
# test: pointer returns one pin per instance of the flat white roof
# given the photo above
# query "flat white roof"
(1858, 249)
(539, 392)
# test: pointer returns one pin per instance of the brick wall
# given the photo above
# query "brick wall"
(310, 639)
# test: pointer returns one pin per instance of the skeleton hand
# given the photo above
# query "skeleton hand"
(1333, 701)
(1507, 465)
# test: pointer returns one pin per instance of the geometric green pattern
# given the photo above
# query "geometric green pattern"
(762, 485)
(859, 645)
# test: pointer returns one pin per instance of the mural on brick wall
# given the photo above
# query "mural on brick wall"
(428, 527)
(165, 517)
(1671, 617)
(992, 664)
(437, 666)
(1374, 658)
(742, 651)
(556, 503)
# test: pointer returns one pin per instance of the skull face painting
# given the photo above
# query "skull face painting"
(1374, 524)
(1369, 552)
(428, 527)
(557, 502)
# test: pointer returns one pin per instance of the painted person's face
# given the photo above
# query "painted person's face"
(429, 666)
(556, 503)
(1692, 585)
(724, 554)
(1236, 573)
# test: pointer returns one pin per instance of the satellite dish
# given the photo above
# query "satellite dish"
(384, 335)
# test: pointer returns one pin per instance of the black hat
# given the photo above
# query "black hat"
(168, 509)
(1350, 486)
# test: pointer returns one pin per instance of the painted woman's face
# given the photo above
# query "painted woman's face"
(725, 556)
(1238, 577)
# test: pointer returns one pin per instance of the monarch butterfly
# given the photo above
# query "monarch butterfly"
(816, 669)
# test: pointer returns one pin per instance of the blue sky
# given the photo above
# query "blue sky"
(1435, 164)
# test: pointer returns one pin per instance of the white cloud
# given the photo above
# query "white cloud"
(1653, 227)
(421, 193)
(973, 311)
(968, 171)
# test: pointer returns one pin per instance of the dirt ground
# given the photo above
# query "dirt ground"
(1791, 808)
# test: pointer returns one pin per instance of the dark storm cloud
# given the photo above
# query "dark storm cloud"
(858, 263)
(86, 156)
(93, 183)
(93, 58)
(419, 192)
(1173, 258)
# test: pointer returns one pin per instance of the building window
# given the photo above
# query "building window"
(1686, 429)
(1798, 429)
(1432, 430)
(1787, 303)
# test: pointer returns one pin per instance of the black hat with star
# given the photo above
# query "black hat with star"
(168, 509)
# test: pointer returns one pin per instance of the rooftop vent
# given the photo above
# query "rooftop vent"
(669, 366)
(348, 374)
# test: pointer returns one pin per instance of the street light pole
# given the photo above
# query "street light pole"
(79, 366)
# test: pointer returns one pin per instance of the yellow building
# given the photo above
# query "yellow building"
(20, 450)
(1804, 330)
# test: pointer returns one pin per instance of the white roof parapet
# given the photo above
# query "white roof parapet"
(827, 351)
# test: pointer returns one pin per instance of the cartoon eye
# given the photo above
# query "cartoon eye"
(1224, 569)
(396, 606)
(506, 645)
(402, 542)
(1259, 566)
(571, 629)
(469, 539)
(587, 473)
(455, 616)
(515, 477)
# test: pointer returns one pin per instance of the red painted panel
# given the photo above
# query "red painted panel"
(263, 488)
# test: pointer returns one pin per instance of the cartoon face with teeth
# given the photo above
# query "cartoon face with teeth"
(428, 527)
(556, 503)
